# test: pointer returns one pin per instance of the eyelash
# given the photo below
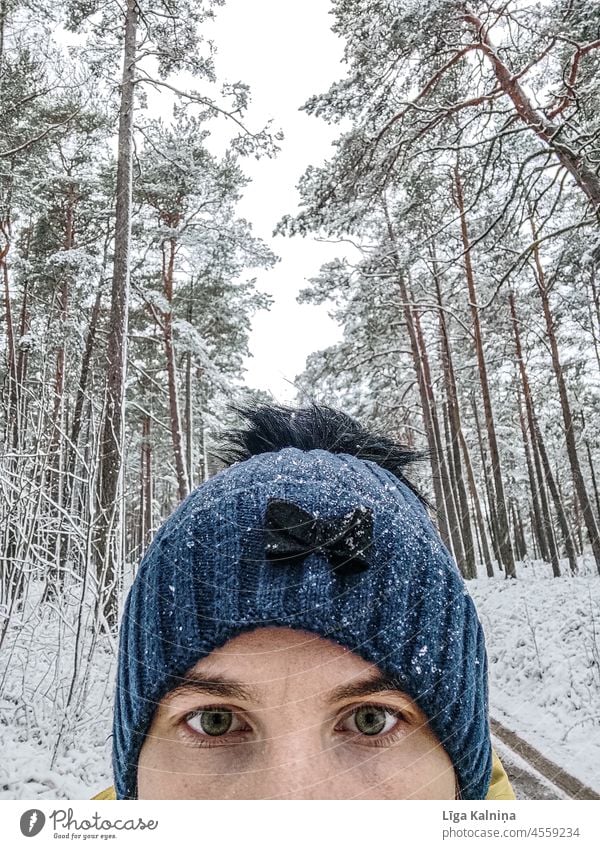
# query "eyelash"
(202, 740)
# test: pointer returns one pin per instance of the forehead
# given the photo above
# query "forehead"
(287, 671)
(266, 655)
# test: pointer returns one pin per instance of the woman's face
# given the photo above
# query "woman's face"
(284, 714)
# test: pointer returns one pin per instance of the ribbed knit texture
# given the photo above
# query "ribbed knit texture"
(204, 579)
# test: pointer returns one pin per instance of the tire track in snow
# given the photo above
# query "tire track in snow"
(528, 782)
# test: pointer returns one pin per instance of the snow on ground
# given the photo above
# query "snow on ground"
(543, 644)
(54, 725)
(543, 641)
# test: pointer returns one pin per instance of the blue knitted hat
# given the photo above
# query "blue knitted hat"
(206, 578)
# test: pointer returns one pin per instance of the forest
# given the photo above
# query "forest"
(464, 193)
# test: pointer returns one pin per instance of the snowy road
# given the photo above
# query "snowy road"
(531, 774)
(527, 783)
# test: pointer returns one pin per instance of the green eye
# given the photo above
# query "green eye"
(371, 720)
(212, 722)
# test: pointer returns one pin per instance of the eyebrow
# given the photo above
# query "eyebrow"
(227, 689)
(214, 686)
(369, 687)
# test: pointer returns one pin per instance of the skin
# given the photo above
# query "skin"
(295, 708)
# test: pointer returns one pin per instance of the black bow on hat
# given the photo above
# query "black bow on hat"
(292, 534)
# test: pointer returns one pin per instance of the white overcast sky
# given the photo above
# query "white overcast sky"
(286, 52)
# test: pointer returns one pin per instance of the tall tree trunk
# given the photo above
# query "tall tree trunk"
(592, 469)
(477, 535)
(90, 343)
(446, 493)
(477, 506)
(504, 542)
(202, 475)
(534, 537)
(521, 532)
(12, 414)
(146, 485)
(467, 570)
(542, 509)
(189, 408)
(83, 381)
(557, 500)
(519, 545)
(22, 356)
(56, 484)
(538, 441)
(577, 519)
(568, 514)
(3, 16)
(593, 476)
(542, 520)
(578, 481)
(455, 430)
(22, 363)
(107, 549)
(436, 471)
(175, 417)
(492, 520)
(537, 513)
(12, 571)
(545, 507)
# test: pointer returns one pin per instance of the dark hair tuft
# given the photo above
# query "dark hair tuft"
(271, 427)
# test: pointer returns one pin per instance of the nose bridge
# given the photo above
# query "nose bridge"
(297, 765)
